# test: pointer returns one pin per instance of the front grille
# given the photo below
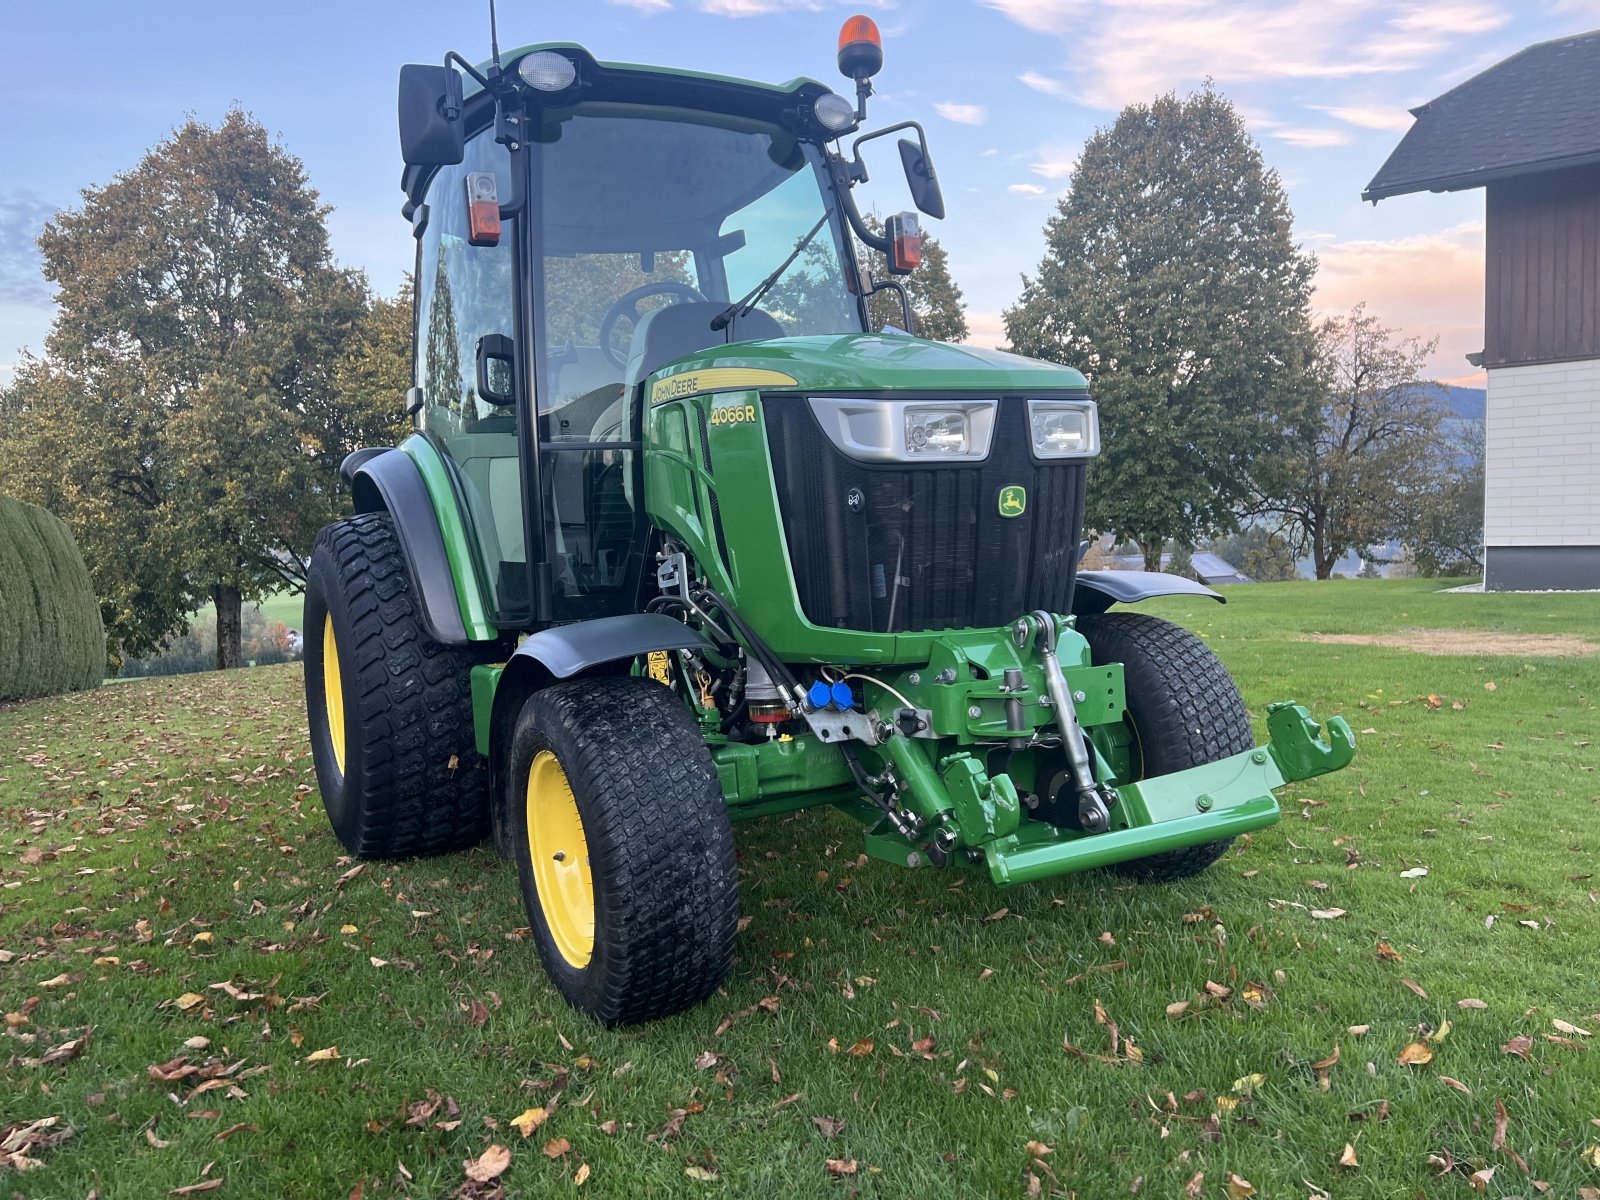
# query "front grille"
(926, 547)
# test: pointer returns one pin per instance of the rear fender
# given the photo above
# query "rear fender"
(389, 481)
(1097, 591)
(604, 646)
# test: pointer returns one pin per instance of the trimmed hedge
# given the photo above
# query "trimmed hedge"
(51, 638)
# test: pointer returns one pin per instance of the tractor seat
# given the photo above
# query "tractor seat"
(664, 334)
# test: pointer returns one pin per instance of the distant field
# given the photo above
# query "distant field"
(168, 875)
(282, 606)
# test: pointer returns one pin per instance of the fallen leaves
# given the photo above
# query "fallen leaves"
(1348, 1157)
(489, 1165)
(829, 1127)
(1519, 1046)
(194, 1189)
(65, 1052)
(840, 1167)
(1328, 914)
(1416, 1054)
(529, 1120)
(321, 1056)
(21, 1140)
(1471, 1002)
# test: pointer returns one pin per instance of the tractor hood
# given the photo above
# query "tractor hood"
(870, 362)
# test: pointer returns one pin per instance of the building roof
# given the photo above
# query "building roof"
(1539, 110)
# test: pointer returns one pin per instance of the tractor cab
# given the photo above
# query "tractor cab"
(579, 226)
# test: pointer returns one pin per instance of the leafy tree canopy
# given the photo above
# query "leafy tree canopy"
(187, 420)
(1171, 279)
(1360, 474)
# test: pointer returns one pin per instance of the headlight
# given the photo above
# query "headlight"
(938, 431)
(1064, 428)
(907, 430)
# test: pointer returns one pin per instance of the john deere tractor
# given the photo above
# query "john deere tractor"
(679, 541)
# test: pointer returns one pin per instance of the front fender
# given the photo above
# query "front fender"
(563, 652)
(1097, 591)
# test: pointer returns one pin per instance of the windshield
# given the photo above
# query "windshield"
(649, 222)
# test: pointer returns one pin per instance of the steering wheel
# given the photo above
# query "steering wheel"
(627, 306)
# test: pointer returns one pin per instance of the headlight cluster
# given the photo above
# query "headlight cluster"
(950, 430)
(1064, 428)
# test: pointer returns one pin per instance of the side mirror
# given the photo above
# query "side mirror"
(920, 177)
(432, 133)
(497, 370)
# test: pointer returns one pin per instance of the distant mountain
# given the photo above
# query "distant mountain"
(1465, 403)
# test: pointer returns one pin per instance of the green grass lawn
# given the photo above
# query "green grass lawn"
(163, 839)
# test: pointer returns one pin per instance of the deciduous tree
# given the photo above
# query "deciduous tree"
(1360, 474)
(186, 415)
(1171, 278)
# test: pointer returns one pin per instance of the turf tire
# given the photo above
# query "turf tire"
(1184, 708)
(412, 781)
(660, 846)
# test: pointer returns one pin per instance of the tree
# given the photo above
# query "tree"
(1358, 476)
(1259, 554)
(936, 301)
(1446, 538)
(1170, 277)
(186, 415)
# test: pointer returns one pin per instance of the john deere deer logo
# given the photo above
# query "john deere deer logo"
(1013, 501)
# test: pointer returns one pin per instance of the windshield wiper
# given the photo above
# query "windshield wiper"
(742, 306)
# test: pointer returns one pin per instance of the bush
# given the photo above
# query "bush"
(51, 638)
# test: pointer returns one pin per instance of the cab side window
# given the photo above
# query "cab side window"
(465, 293)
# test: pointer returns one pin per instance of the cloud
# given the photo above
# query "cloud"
(962, 114)
(22, 216)
(986, 329)
(648, 7)
(755, 8)
(1450, 18)
(1056, 162)
(1129, 51)
(1043, 83)
(1026, 189)
(1312, 139)
(1428, 285)
(1370, 116)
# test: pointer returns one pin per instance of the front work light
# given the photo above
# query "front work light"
(938, 431)
(547, 71)
(1064, 428)
(873, 430)
(834, 113)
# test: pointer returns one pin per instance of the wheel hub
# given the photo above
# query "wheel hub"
(559, 854)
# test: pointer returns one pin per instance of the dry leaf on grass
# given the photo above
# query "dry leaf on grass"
(1500, 1122)
(1568, 1027)
(1239, 1188)
(838, 1167)
(322, 1056)
(1455, 1083)
(1519, 1045)
(194, 1189)
(489, 1165)
(580, 1175)
(1471, 1002)
(830, 1127)
(1480, 1179)
(1328, 914)
(1416, 1054)
(1348, 1157)
(555, 1147)
(529, 1120)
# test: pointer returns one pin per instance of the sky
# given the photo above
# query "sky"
(1007, 89)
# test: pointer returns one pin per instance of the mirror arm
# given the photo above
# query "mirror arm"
(452, 57)
(855, 146)
(894, 285)
(842, 174)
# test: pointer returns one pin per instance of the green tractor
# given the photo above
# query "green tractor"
(678, 541)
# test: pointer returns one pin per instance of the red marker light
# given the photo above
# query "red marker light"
(483, 209)
(905, 243)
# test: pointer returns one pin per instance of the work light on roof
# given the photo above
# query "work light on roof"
(834, 112)
(547, 71)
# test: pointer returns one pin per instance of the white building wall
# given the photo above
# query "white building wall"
(1542, 455)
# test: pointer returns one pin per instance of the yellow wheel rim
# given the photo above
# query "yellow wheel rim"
(333, 692)
(559, 853)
